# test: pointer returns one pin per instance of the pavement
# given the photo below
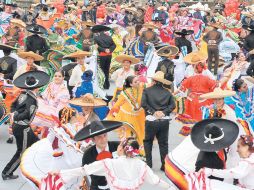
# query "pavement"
(8, 150)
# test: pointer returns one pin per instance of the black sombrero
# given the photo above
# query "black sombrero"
(7, 47)
(96, 128)
(248, 27)
(32, 80)
(100, 28)
(184, 32)
(36, 29)
(211, 135)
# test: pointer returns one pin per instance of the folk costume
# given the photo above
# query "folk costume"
(106, 46)
(8, 65)
(183, 44)
(156, 98)
(23, 110)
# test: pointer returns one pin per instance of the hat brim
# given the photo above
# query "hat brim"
(219, 94)
(35, 56)
(7, 47)
(173, 51)
(247, 27)
(100, 28)
(188, 32)
(85, 132)
(122, 58)
(163, 81)
(78, 54)
(188, 58)
(229, 128)
(30, 28)
(41, 77)
(97, 102)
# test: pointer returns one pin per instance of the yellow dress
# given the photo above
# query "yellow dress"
(118, 40)
(128, 109)
(203, 47)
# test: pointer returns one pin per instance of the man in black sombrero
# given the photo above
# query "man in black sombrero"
(212, 136)
(106, 46)
(183, 44)
(102, 149)
(248, 43)
(8, 65)
(36, 43)
(23, 111)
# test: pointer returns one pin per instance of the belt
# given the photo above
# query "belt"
(99, 187)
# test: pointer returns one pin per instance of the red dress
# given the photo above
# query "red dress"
(197, 85)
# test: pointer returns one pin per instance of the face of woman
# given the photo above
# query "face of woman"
(30, 61)
(219, 102)
(241, 57)
(126, 65)
(243, 88)
(135, 82)
(80, 60)
(243, 150)
(58, 78)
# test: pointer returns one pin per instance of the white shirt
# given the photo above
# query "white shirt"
(120, 75)
(77, 74)
(121, 173)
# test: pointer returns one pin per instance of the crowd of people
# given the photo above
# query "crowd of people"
(76, 74)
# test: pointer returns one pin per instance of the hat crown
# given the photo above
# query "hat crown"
(196, 58)
(213, 131)
(88, 98)
(96, 126)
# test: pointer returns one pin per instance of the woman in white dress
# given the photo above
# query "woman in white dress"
(124, 172)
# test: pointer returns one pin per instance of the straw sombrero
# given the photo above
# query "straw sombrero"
(168, 51)
(218, 93)
(111, 9)
(184, 32)
(18, 22)
(35, 56)
(124, 57)
(6, 47)
(215, 25)
(78, 54)
(131, 10)
(195, 57)
(150, 25)
(160, 77)
(88, 23)
(88, 100)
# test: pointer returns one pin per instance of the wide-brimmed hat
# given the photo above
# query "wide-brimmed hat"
(78, 54)
(195, 57)
(131, 10)
(168, 51)
(184, 32)
(18, 22)
(215, 25)
(248, 27)
(96, 128)
(25, 54)
(6, 47)
(111, 9)
(32, 80)
(36, 29)
(218, 93)
(159, 76)
(88, 23)
(100, 28)
(88, 100)
(150, 25)
(211, 135)
(124, 57)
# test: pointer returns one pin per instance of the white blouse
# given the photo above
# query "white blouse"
(120, 75)
(244, 171)
(121, 173)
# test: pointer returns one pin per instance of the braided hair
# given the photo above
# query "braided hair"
(65, 114)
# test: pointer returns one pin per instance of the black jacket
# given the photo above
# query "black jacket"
(8, 66)
(250, 70)
(157, 98)
(248, 43)
(90, 157)
(167, 67)
(104, 42)
(180, 42)
(36, 44)
(24, 108)
(213, 35)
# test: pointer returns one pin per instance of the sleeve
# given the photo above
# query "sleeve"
(240, 171)
(14, 69)
(112, 45)
(186, 84)
(250, 70)
(220, 38)
(115, 74)
(45, 46)
(211, 83)
(120, 101)
(205, 38)
(26, 114)
(171, 106)
(74, 78)
(246, 45)
(95, 168)
(28, 44)
(145, 105)
(152, 178)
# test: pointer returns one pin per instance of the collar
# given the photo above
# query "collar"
(99, 150)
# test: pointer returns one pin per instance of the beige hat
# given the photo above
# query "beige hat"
(18, 22)
(132, 10)
(218, 93)
(195, 57)
(88, 100)
(88, 23)
(159, 77)
(36, 56)
(124, 57)
(78, 54)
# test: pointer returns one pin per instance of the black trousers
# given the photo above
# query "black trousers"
(104, 62)
(213, 53)
(25, 137)
(158, 129)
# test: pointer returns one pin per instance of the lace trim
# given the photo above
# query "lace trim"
(121, 184)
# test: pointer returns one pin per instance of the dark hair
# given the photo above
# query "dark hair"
(7, 52)
(128, 81)
(60, 71)
(65, 114)
(237, 84)
(129, 146)
(247, 140)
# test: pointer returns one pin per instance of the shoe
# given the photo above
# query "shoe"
(10, 140)
(10, 176)
(162, 168)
